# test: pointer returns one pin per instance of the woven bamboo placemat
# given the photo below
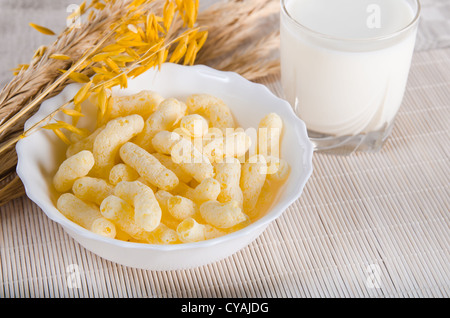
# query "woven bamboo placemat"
(366, 225)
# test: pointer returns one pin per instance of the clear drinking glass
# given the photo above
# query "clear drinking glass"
(344, 67)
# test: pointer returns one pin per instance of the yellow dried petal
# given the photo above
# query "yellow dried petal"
(111, 83)
(126, 36)
(123, 80)
(100, 70)
(40, 51)
(193, 34)
(112, 65)
(77, 107)
(162, 56)
(180, 6)
(158, 27)
(99, 6)
(136, 3)
(82, 94)
(179, 51)
(137, 71)
(97, 79)
(83, 7)
(196, 7)
(132, 53)
(191, 53)
(122, 58)
(169, 13)
(102, 101)
(202, 38)
(79, 77)
(42, 29)
(142, 35)
(131, 43)
(113, 48)
(157, 18)
(190, 13)
(19, 68)
(62, 136)
(61, 57)
(72, 128)
(149, 27)
(72, 112)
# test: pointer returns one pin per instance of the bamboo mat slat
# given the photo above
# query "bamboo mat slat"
(387, 212)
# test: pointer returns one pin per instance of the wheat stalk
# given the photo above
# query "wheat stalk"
(248, 60)
(36, 78)
(234, 25)
(236, 42)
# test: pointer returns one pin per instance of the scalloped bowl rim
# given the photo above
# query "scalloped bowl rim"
(272, 214)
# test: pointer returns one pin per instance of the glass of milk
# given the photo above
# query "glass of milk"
(344, 67)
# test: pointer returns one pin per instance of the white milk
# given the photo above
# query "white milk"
(346, 83)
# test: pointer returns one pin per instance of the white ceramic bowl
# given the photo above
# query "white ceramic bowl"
(40, 154)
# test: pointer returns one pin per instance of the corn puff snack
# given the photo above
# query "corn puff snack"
(88, 216)
(73, 168)
(166, 171)
(148, 166)
(108, 142)
(143, 103)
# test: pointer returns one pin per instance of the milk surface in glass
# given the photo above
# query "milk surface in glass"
(345, 63)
